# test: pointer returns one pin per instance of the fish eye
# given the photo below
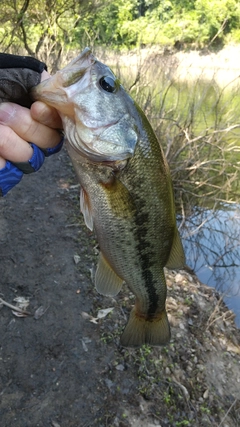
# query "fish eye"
(108, 84)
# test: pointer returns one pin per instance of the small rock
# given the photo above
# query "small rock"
(109, 383)
(76, 258)
(120, 367)
(179, 278)
(201, 367)
(206, 394)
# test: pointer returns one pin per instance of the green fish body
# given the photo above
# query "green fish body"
(126, 190)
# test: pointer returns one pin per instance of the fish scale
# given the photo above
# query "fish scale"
(126, 190)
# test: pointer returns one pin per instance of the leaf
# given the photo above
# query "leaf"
(15, 309)
(22, 302)
(76, 258)
(19, 314)
(87, 316)
(104, 312)
(101, 314)
(85, 341)
(39, 312)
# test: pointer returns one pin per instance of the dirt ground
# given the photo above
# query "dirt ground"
(62, 366)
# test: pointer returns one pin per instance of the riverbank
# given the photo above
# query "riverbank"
(62, 366)
(221, 67)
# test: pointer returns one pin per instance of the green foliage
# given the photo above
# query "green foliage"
(48, 28)
(217, 17)
(184, 29)
(235, 36)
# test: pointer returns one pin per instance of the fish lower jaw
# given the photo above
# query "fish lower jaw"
(86, 154)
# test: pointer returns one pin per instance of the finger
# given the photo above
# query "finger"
(19, 119)
(12, 147)
(45, 75)
(46, 115)
(2, 163)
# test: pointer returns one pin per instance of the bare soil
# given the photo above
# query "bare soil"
(63, 366)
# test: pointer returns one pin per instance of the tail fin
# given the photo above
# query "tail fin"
(140, 331)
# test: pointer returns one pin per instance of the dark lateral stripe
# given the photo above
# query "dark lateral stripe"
(146, 256)
(151, 291)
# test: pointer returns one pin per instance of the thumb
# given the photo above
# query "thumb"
(46, 115)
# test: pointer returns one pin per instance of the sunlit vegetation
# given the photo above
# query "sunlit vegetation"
(49, 27)
(196, 123)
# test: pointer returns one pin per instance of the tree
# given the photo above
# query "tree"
(47, 28)
(43, 28)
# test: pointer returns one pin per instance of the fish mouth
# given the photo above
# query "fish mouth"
(56, 90)
(94, 129)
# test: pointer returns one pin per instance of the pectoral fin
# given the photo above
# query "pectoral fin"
(86, 209)
(176, 258)
(107, 282)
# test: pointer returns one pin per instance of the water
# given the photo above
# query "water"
(211, 241)
(206, 171)
(211, 237)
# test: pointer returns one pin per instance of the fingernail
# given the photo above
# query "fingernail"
(7, 111)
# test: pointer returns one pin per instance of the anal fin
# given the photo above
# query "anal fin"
(176, 258)
(107, 282)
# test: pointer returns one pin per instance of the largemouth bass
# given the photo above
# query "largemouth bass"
(126, 190)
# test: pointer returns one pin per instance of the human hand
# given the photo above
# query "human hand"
(19, 124)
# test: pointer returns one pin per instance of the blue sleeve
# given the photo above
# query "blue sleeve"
(10, 176)
(12, 173)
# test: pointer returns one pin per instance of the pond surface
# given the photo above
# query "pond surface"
(206, 107)
(211, 235)
(211, 241)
